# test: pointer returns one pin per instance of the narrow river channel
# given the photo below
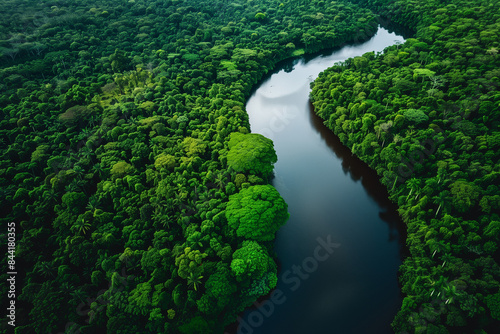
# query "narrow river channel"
(333, 198)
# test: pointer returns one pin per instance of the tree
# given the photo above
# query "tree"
(194, 280)
(441, 200)
(119, 61)
(251, 153)
(493, 302)
(219, 291)
(193, 146)
(256, 212)
(423, 72)
(251, 262)
(190, 261)
(74, 201)
(120, 169)
(140, 299)
(81, 226)
(165, 161)
(73, 115)
(464, 195)
(196, 325)
(260, 16)
(414, 185)
(46, 268)
(438, 246)
(416, 116)
(97, 168)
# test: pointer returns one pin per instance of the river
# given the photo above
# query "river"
(340, 250)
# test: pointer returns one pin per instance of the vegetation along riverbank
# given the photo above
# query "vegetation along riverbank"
(126, 173)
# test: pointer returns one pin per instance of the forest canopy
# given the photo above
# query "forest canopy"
(142, 203)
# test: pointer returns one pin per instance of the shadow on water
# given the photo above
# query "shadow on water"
(359, 170)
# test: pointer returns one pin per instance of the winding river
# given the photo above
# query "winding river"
(340, 251)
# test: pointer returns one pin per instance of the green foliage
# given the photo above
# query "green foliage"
(465, 195)
(190, 262)
(256, 212)
(219, 291)
(74, 201)
(120, 169)
(165, 161)
(251, 262)
(493, 302)
(119, 61)
(415, 116)
(251, 153)
(196, 325)
(115, 138)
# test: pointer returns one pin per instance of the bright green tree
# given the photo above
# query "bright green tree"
(251, 261)
(251, 153)
(256, 212)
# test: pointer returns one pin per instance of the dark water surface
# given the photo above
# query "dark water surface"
(333, 198)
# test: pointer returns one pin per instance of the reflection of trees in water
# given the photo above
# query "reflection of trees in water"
(360, 171)
(288, 67)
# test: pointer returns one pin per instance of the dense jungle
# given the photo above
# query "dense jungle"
(141, 202)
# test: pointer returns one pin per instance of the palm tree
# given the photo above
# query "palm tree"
(450, 292)
(397, 138)
(79, 171)
(67, 287)
(84, 134)
(441, 200)
(81, 226)
(97, 168)
(32, 166)
(166, 220)
(414, 185)
(204, 198)
(220, 180)
(71, 328)
(446, 257)
(194, 280)
(87, 153)
(178, 198)
(81, 185)
(78, 294)
(195, 241)
(93, 119)
(438, 246)
(72, 187)
(46, 268)
(50, 196)
(161, 216)
(431, 186)
(69, 161)
(154, 148)
(4, 192)
(411, 131)
(93, 203)
(437, 286)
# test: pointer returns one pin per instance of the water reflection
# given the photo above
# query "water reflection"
(359, 170)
